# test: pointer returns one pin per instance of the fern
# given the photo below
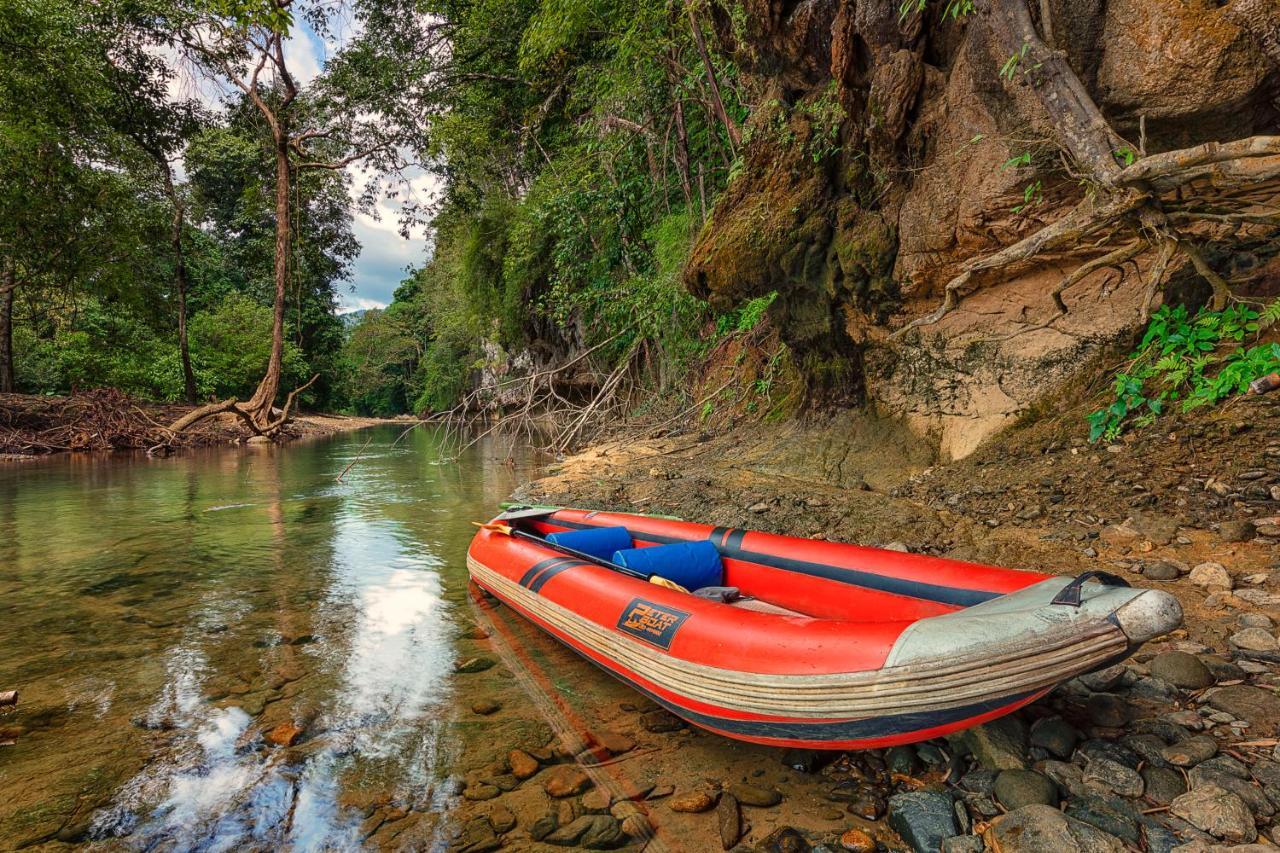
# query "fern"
(1182, 359)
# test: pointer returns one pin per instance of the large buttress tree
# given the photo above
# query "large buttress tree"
(342, 119)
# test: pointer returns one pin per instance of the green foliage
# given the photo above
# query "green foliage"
(1010, 66)
(954, 9)
(826, 116)
(230, 346)
(1188, 361)
(747, 317)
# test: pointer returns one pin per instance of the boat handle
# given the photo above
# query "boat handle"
(1070, 594)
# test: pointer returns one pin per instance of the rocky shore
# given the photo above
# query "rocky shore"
(1174, 749)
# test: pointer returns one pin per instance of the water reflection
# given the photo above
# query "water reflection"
(177, 624)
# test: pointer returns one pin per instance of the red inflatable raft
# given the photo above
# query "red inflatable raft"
(832, 645)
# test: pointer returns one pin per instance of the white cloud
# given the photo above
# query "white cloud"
(348, 303)
(301, 57)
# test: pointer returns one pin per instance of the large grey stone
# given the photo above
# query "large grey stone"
(1000, 744)
(1017, 788)
(1044, 829)
(1181, 670)
(924, 819)
(1055, 735)
(1216, 811)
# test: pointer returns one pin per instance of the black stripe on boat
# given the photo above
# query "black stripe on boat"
(854, 577)
(866, 580)
(541, 581)
(536, 568)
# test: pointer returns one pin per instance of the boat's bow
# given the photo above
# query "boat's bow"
(1041, 616)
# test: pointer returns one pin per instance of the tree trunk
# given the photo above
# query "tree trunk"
(730, 126)
(7, 286)
(260, 404)
(682, 141)
(180, 282)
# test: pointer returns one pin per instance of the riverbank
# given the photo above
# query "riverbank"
(1176, 746)
(105, 419)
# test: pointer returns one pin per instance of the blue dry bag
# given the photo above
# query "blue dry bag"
(597, 541)
(693, 565)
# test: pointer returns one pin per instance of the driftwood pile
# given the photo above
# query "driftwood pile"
(101, 419)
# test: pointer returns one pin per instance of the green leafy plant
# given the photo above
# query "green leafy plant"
(1180, 361)
(1032, 194)
(954, 9)
(745, 318)
(1011, 64)
(1023, 159)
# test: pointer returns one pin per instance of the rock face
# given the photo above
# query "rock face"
(876, 167)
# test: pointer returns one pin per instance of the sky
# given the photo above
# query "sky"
(384, 254)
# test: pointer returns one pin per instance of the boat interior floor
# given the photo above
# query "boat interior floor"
(765, 607)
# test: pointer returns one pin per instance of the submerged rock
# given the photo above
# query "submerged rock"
(592, 832)
(471, 665)
(523, 765)
(564, 780)
(660, 721)
(698, 800)
(729, 820)
(785, 840)
(501, 818)
(755, 795)
(857, 841)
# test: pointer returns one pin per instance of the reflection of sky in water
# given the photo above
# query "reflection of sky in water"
(383, 644)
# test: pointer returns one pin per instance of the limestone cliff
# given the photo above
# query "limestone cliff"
(962, 204)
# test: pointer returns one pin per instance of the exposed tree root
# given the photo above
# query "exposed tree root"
(1215, 183)
(269, 427)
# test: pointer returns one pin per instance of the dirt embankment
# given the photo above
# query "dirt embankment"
(105, 419)
(1176, 746)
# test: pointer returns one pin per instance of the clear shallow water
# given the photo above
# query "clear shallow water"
(164, 618)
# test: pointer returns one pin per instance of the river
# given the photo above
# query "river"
(175, 624)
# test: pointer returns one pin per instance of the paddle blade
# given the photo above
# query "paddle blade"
(494, 527)
(666, 584)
